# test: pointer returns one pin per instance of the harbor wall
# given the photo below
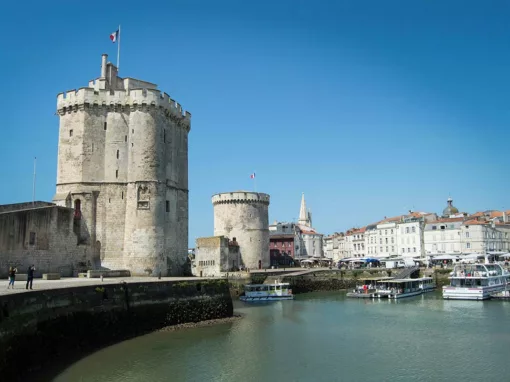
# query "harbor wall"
(39, 327)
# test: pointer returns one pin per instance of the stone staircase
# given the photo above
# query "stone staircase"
(407, 272)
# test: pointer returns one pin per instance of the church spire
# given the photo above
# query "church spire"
(303, 213)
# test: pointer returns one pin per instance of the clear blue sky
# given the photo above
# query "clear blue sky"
(369, 107)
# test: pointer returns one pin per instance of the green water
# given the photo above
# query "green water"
(321, 337)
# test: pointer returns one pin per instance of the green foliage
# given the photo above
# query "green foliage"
(443, 271)
(373, 272)
(100, 290)
(389, 273)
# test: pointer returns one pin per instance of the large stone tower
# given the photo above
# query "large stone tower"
(244, 215)
(123, 166)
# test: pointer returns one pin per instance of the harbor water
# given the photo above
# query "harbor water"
(321, 337)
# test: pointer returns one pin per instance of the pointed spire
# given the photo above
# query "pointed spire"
(303, 213)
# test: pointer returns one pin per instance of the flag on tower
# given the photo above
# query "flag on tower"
(114, 36)
(252, 176)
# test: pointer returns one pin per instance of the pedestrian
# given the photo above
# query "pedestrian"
(30, 276)
(12, 276)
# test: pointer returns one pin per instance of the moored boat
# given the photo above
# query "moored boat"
(267, 292)
(366, 287)
(475, 282)
(400, 288)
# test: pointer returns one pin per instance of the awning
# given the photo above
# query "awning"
(445, 257)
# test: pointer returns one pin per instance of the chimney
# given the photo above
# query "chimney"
(104, 58)
(504, 217)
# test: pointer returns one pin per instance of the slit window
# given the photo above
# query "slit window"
(122, 195)
(71, 132)
(105, 126)
(117, 154)
(125, 138)
(31, 241)
(116, 173)
(167, 206)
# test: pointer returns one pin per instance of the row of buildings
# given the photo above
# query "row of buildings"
(421, 234)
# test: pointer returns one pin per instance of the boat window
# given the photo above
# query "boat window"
(272, 287)
(278, 287)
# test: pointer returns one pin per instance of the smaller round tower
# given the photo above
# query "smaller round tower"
(244, 216)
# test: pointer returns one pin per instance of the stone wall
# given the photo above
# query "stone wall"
(44, 237)
(38, 327)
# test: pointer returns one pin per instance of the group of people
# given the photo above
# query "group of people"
(12, 276)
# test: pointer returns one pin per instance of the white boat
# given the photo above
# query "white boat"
(475, 282)
(366, 287)
(267, 292)
(400, 288)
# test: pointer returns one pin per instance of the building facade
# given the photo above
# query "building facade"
(123, 167)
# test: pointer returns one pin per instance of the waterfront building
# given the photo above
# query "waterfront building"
(411, 234)
(327, 245)
(283, 240)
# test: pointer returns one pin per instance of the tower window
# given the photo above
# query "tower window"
(31, 241)
(122, 195)
(105, 126)
(71, 132)
(116, 173)
(117, 154)
(167, 206)
(132, 131)
(125, 138)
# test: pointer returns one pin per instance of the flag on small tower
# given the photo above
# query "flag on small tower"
(252, 176)
(114, 36)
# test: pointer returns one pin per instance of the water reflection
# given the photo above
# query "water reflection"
(321, 337)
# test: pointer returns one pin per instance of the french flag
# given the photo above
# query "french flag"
(252, 176)
(114, 36)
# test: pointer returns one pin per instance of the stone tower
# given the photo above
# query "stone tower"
(305, 218)
(244, 215)
(123, 166)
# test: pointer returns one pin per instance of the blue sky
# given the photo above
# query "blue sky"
(369, 107)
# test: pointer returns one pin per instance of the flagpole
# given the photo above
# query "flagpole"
(255, 180)
(33, 184)
(118, 51)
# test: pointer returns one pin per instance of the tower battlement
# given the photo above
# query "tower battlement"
(240, 197)
(133, 98)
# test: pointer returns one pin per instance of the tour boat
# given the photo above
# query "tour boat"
(427, 284)
(366, 287)
(475, 282)
(400, 288)
(267, 292)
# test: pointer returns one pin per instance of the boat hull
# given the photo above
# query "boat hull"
(265, 298)
(484, 293)
(396, 296)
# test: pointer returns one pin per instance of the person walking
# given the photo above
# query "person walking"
(30, 276)
(12, 276)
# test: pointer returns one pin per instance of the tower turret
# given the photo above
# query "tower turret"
(123, 157)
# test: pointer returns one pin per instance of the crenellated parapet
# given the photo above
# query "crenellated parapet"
(241, 197)
(118, 100)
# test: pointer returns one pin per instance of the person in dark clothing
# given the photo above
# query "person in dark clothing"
(30, 275)
(12, 276)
